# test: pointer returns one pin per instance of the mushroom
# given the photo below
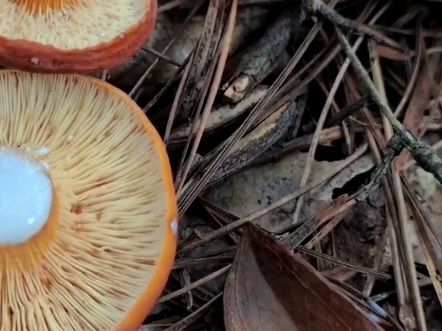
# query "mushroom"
(72, 36)
(88, 214)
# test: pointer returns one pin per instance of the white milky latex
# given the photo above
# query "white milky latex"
(25, 198)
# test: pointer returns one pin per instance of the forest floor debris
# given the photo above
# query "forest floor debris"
(304, 140)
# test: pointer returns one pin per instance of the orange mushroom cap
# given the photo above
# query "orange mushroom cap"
(104, 255)
(72, 36)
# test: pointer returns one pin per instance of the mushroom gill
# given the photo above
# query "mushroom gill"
(104, 254)
(75, 36)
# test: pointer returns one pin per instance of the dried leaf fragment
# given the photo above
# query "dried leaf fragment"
(257, 141)
(255, 187)
(169, 25)
(221, 115)
(391, 54)
(262, 57)
(269, 288)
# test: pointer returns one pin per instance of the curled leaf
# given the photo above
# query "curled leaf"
(270, 288)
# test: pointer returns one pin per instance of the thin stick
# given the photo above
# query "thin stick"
(318, 7)
(322, 119)
(212, 93)
(421, 152)
(403, 236)
(243, 221)
(189, 319)
(194, 285)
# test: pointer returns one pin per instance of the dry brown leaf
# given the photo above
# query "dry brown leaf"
(391, 54)
(253, 188)
(420, 97)
(430, 191)
(269, 288)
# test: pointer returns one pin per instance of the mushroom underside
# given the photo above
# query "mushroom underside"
(72, 36)
(92, 261)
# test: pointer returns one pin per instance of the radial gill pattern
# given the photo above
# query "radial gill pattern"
(38, 6)
(91, 262)
(69, 24)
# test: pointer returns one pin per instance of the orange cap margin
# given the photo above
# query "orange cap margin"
(147, 300)
(39, 58)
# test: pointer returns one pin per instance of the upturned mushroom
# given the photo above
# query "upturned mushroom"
(72, 36)
(88, 215)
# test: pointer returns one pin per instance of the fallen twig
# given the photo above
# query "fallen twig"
(262, 57)
(318, 7)
(243, 221)
(394, 147)
(421, 152)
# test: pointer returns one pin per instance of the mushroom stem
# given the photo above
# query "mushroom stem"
(25, 197)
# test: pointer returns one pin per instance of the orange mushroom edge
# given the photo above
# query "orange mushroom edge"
(105, 252)
(29, 40)
(148, 299)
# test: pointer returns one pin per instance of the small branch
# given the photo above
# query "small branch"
(421, 152)
(394, 147)
(319, 8)
(348, 111)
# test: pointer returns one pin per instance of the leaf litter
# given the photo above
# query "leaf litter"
(280, 120)
(270, 288)
(256, 187)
